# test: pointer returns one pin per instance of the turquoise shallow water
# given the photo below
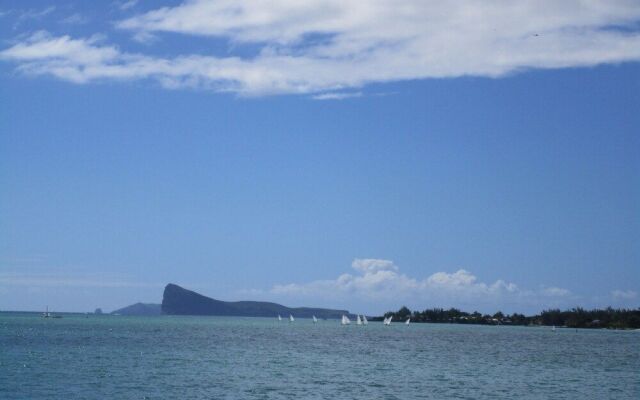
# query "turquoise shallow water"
(257, 358)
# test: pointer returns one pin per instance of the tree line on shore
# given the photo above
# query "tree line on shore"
(574, 318)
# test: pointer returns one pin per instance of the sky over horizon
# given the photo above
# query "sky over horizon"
(359, 155)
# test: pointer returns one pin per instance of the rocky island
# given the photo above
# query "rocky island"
(179, 301)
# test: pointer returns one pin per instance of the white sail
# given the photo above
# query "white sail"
(291, 318)
(364, 320)
(408, 321)
(387, 321)
(315, 319)
(358, 320)
(345, 320)
(279, 317)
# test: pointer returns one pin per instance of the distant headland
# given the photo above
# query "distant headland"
(139, 309)
(180, 301)
(575, 318)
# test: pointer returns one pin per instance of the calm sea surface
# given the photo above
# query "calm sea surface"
(255, 358)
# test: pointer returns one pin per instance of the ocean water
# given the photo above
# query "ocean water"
(256, 358)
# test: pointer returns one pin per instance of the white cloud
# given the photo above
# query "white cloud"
(51, 52)
(372, 265)
(624, 294)
(323, 47)
(336, 95)
(457, 279)
(381, 282)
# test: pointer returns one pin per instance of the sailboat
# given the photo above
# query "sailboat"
(291, 318)
(553, 328)
(358, 320)
(47, 314)
(364, 320)
(408, 321)
(345, 320)
(279, 317)
(314, 319)
(387, 321)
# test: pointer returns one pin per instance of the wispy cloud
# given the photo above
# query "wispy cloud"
(37, 14)
(145, 37)
(555, 292)
(32, 14)
(35, 280)
(75, 19)
(361, 43)
(624, 294)
(125, 5)
(336, 95)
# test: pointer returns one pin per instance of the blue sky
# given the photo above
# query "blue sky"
(319, 156)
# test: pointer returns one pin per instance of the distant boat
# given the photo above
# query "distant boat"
(315, 319)
(291, 318)
(408, 321)
(279, 317)
(387, 321)
(358, 320)
(47, 314)
(364, 320)
(553, 328)
(345, 320)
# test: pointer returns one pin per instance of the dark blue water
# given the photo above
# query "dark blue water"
(256, 358)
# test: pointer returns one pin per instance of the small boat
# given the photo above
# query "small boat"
(408, 321)
(358, 320)
(291, 318)
(553, 328)
(364, 320)
(314, 319)
(279, 317)
(345, 320)
(47, 314)
(387, 321)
